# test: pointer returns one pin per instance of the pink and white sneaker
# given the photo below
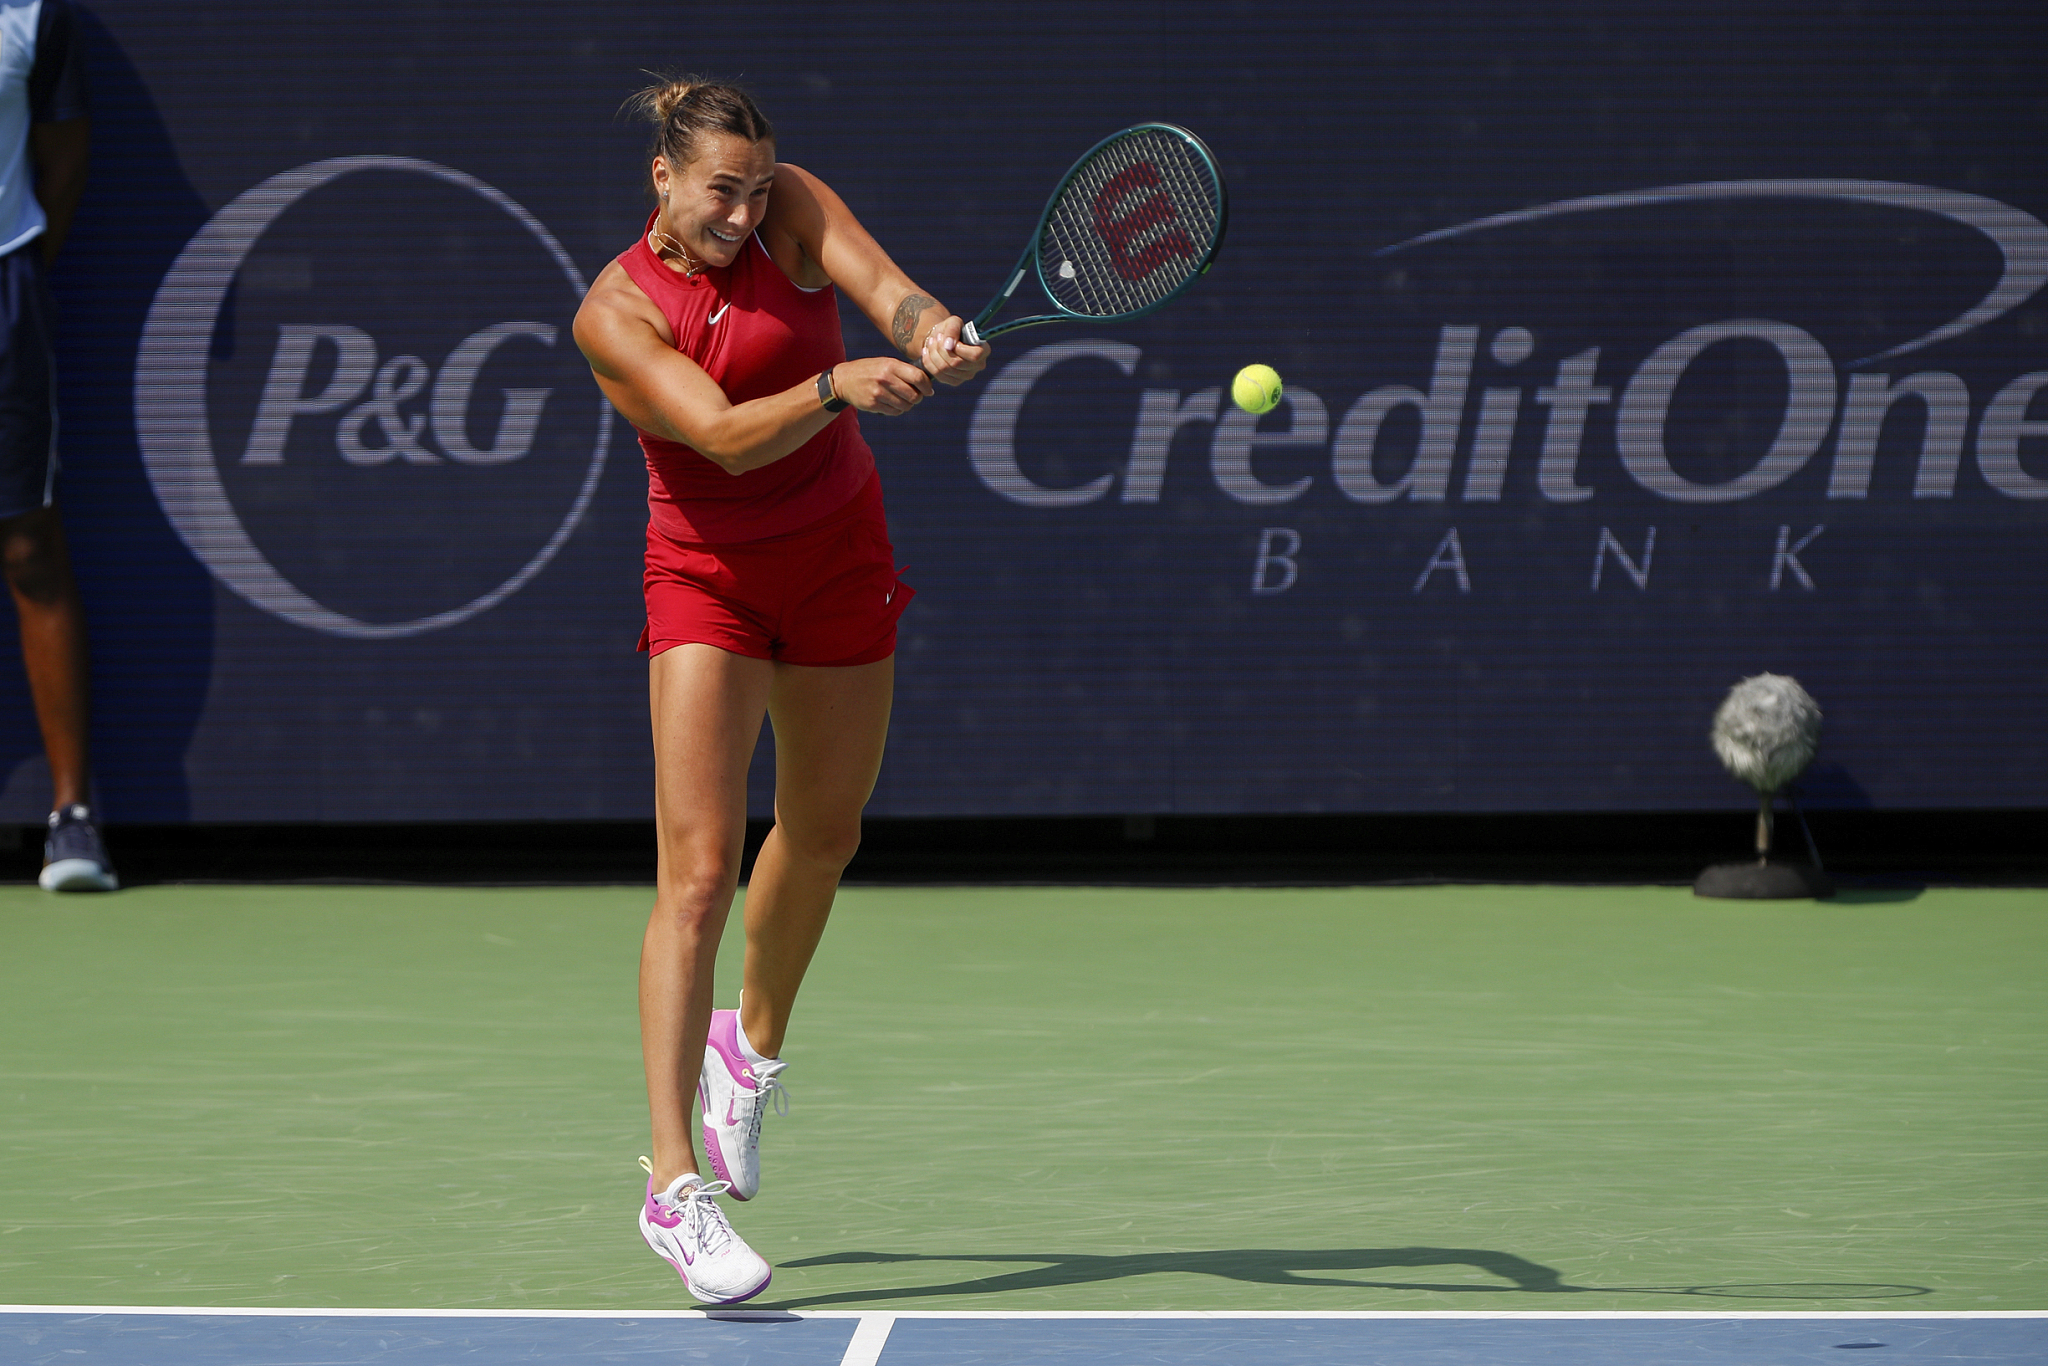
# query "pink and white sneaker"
(733, 1094)
(687, 1229)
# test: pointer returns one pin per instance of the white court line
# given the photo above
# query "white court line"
(775, 1315)
(866, 1347)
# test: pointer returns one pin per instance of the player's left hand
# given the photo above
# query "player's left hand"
(948, 359)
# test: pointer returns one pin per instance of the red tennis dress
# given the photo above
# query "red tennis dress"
(790, 561)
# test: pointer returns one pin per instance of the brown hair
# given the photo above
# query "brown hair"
(684, 108)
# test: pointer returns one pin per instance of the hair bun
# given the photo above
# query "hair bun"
(667, 97)
(657, 103)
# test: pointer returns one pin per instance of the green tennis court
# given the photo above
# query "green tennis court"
(1046, 1099)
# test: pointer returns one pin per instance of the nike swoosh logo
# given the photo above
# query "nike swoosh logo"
(730, 1117)
(721, 312)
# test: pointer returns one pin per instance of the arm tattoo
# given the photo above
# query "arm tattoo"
(903, 330)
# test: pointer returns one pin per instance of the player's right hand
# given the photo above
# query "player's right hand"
(880, 384)
(947, 357)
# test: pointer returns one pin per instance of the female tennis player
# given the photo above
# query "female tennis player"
(771, 587)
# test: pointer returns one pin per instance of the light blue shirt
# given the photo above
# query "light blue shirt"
(21, 217)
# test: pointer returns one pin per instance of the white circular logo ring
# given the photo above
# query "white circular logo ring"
(170, 400)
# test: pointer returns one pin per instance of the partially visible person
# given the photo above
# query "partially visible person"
(44, 139)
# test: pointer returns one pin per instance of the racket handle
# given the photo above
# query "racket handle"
(971, 334)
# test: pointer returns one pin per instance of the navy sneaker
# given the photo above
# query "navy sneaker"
(74, 860)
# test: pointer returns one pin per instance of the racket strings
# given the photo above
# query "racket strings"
(1126, 220)
(1133, 225)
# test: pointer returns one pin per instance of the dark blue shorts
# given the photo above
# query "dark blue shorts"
(28, 383)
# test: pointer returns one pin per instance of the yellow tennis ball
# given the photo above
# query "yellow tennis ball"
(1256, 388)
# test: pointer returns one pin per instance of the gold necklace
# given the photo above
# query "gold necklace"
(658, 241)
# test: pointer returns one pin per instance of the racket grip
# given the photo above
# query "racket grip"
(971, 334)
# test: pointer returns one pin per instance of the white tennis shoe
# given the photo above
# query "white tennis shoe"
(734, 1094)
(687, 1229)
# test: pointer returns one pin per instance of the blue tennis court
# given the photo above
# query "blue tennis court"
(169, 1337)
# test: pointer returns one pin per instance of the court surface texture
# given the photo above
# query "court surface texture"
(1436, 1124)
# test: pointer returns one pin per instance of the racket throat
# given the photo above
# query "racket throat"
(972, 334)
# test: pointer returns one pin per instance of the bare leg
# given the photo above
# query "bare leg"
(830, 728)
(707, 706)
(52, 643)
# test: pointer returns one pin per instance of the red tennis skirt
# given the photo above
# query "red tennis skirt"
(825, 596)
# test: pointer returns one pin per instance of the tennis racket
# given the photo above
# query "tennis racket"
(1129, 228)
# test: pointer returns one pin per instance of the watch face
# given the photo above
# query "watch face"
(827, 395)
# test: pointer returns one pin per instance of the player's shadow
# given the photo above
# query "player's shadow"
(1260, 1266)
(1284, 1266)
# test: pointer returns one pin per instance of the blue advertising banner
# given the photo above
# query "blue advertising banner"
(1627, 352)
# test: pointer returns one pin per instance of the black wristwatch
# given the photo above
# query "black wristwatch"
(827, 395)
